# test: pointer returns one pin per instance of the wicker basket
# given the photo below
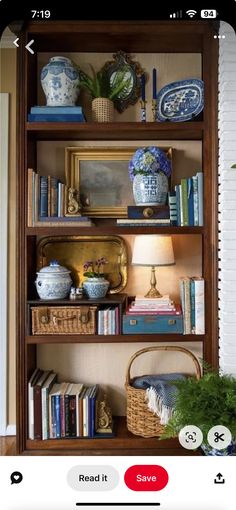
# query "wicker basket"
(48, 320)
(102, 110)
(141, 421)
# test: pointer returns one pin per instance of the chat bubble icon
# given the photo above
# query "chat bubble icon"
(16, 477)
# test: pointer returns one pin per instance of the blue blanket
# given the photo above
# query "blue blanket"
(160, 393)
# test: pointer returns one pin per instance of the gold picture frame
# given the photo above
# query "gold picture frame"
(101, 175)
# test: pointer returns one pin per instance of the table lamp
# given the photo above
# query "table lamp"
(153, 250)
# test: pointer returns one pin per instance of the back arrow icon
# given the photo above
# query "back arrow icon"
(28, 46)
(15, 42)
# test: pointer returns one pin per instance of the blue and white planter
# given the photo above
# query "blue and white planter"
(60, 80)
(150, 189)
(96, 288)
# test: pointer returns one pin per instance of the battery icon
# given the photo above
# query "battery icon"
(209, 13)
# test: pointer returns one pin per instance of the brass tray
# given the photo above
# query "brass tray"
(73, 251)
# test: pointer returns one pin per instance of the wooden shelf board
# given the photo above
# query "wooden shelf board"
(109, 299)
(88, 339)
(116, 130)
(107, 36)
(113, 229)
(123, 441)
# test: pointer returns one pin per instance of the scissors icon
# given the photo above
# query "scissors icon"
(218, 437)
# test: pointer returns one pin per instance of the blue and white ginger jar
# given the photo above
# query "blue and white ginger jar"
(60, 80)
(53, 281)
(229, 450)
(150, 189)
(96, 288)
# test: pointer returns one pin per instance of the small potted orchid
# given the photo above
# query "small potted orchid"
(95, 285)
(149, 170)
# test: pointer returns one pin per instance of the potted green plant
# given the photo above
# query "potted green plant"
(104, 91)
(205, 403)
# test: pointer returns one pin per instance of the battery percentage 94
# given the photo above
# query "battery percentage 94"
(209, 13)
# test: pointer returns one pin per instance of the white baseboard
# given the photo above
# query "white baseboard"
(11, 430)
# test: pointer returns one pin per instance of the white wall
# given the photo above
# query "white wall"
(227, 199)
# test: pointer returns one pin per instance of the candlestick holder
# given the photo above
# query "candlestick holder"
(143, 110)
(154, 110)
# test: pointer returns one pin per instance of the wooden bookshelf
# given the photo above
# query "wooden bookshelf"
(101, 36)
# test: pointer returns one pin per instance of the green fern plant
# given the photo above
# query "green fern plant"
(100, 85)
(206, 402)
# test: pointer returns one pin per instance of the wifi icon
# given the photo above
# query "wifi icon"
(191, 13)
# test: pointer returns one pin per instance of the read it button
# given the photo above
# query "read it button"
(146, 478)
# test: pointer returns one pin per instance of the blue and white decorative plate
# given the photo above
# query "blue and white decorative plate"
(180, 100)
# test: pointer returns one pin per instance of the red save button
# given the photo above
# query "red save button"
(146, 478)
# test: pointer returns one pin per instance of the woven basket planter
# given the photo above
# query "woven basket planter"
(102, 110)
(141, 421)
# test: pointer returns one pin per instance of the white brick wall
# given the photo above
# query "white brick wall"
(227, 199)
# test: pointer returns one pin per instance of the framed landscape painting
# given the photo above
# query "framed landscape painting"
(101, 174)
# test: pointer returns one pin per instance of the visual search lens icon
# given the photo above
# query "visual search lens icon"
(190, 437)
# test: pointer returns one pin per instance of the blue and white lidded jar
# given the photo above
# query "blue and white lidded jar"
(53, 281)
(60, 80)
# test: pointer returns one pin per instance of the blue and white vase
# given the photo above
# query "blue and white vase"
(150, 189)
(60, 80)
(96, 287)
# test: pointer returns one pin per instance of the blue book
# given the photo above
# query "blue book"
(190, 202)
(55, 117)
(57, 109)
(200, 198)
(57, 415)
(43, 197)
(92, 401)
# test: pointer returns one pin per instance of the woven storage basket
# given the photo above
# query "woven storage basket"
(141, 421)
(48, 320)
(102, 110)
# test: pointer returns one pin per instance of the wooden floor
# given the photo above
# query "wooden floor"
(8, 445)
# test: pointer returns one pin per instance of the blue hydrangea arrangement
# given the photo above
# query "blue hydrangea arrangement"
(149, 160)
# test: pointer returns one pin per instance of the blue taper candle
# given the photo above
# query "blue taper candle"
(143, 87)
(154, 84)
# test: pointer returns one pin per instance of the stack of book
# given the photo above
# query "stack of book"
(56, 114)
(193, 304)
(60, 410)
(108, 321)
(153, 306)
(46, 202)
(186, 202)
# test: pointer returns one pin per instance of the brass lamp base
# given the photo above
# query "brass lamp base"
(153, 292)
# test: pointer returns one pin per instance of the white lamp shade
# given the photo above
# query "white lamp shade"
(153, 250)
